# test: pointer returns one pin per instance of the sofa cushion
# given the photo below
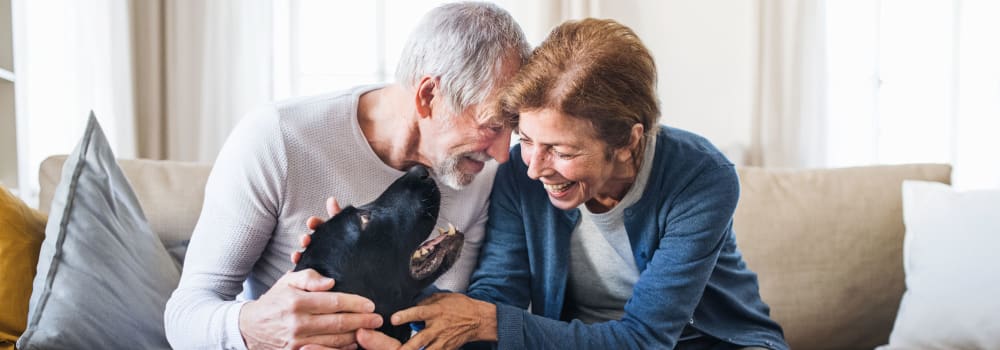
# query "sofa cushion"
(21, 232)
(170, 192)
(827, 247)
(949, 256)
(103, 276)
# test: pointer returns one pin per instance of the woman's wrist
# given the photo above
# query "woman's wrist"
(488, 322)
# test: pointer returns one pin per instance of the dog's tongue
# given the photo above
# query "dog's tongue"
(429, 245)
(428, 258)
(440, 237)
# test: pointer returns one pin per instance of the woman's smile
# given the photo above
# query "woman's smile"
(558, 188)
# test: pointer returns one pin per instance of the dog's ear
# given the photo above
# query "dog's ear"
(345, 227)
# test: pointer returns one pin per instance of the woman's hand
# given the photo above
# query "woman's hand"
(451, 320)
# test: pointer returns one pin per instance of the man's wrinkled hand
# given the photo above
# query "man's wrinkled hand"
(299, 310)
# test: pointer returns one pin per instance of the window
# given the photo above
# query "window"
(313, 54)
(915, 81)
(69, 62)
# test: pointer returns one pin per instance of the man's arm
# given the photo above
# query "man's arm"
(243, 200)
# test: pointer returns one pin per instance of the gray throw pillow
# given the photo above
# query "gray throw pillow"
(103, 276)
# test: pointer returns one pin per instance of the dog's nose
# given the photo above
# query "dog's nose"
(420, 172)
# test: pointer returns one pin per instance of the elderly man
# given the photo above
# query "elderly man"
(281, 162)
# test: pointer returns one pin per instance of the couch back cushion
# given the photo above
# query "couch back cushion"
(827, 247)
(169, 192)
(826, 244)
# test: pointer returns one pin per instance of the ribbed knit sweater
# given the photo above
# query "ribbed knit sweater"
(275, 170)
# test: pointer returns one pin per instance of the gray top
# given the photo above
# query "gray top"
(275, 170)
(602, 270)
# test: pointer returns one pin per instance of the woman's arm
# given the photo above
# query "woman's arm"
(695, 226)
(663, 300)
(503, 274)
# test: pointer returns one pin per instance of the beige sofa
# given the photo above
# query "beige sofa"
(826, 244)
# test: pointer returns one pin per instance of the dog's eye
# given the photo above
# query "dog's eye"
(365, 218)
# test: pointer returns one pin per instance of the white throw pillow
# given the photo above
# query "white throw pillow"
(950, 257)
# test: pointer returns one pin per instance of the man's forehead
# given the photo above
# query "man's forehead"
(487, 113)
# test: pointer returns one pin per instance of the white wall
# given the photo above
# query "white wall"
(705, 53)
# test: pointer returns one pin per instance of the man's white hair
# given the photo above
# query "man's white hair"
(465, 44)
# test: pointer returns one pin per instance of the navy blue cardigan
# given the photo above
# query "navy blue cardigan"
(691, 273)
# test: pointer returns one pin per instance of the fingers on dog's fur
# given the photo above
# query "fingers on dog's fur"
(320, 303)
(309, 280)
(344, 324)
(313, 222)
(330, 341)
(371, 339)
(332, 207)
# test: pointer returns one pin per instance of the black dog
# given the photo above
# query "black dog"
(375, 250)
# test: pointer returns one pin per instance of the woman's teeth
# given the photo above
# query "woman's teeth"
(557, 187)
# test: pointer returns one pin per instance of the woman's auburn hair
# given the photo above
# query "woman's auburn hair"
(596, 70)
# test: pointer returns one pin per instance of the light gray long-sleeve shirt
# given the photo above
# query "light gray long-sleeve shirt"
(275, 170)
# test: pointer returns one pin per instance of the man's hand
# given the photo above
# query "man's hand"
(451, 320)
(298, 310)
(332, 208)
(375, 340)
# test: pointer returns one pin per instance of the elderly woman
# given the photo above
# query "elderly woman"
(614, 232)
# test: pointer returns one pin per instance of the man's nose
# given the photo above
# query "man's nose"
(499, 148)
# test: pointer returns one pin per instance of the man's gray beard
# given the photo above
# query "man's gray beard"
(448, 174)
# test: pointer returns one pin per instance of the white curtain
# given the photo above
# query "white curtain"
(537, 18)
(977, 101)
(559, 11)
(790, 97)
(217, 67)
(168, 79)
(72, 57)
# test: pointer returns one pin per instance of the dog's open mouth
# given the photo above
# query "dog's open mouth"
(438, 253)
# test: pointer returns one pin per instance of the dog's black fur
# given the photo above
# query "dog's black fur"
(374, 250)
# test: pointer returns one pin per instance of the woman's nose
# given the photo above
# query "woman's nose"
(537, 164)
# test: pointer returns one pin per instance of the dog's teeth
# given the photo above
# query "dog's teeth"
(441, 230)
(417, 255)
(424, 252)
(451, 229)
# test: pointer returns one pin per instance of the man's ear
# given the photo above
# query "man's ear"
(426, 91)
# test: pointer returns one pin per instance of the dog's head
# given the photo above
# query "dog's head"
(384, 240)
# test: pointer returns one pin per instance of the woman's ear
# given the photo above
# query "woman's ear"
(426, 91)
(634, 143)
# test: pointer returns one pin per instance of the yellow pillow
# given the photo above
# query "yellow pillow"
(22, 230)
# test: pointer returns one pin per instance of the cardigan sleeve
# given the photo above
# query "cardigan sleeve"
(503, 273)
(695, 225)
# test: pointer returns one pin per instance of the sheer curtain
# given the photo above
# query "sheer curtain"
(790, 109)
(167, 79)
(175, 75)
(215, 65)
(73, 57)
(915, 82)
